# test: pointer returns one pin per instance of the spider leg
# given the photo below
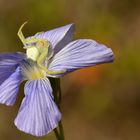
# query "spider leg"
(41, 59)
(55, 72)
(20, 34)
(34, 40)
(39, 33)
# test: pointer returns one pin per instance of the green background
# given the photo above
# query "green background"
(99, 103)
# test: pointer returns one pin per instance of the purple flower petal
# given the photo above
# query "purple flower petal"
(9, 88)
(38, 114)
(11, 58)
(59, 37)
(8, 64)
(79, 54)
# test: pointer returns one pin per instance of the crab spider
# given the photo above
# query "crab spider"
(37, 49)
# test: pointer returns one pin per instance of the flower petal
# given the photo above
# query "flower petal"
(9, 88)
(8, 64)
(81, 53)
(59, 37)
(38, 114)
(11, 58)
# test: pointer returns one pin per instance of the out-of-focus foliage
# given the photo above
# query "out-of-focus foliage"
(99, 103)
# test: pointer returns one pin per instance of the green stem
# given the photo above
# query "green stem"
(56, 133)
(61, 131)
(59, 94)
(57, 98)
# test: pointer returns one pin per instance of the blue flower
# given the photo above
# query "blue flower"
(38, 114)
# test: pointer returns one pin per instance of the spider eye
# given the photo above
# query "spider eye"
(30, 44)
(26, 44)
(33, 44)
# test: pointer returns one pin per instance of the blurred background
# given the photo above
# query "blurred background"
(101, 102)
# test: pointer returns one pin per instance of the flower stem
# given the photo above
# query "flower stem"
(59, 132)
(56, 133)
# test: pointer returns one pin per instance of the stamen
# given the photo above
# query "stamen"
(31, 71)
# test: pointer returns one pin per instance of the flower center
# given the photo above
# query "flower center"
(31, 71)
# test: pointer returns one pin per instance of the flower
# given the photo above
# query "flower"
(48, 54)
